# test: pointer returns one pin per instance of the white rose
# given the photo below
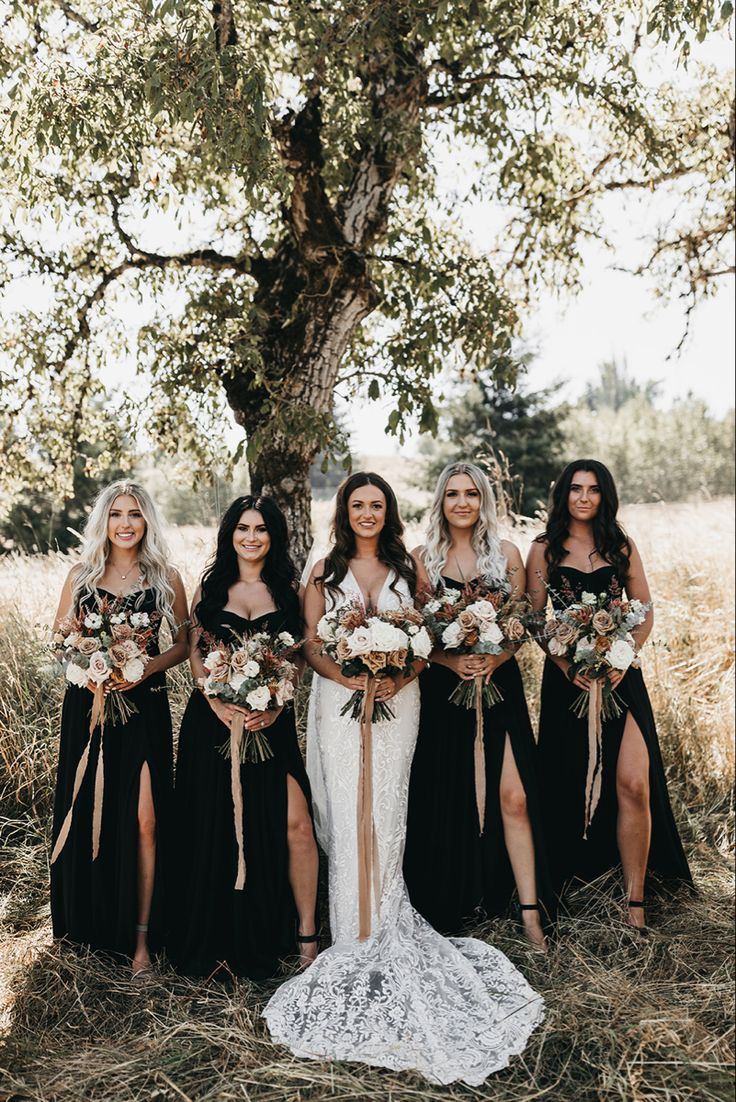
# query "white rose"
(259, 699)
(490, 633)
(422, 643)
(133, 670)
(140, 619)
(213, 660)
(286, 638)
(583, 651)
(483, 611)
(98, 670)
(93, 620)
(251, 669)
(589, 599)
(326, 629)
(452, 635)
(556, 647)
(284, 691)
(360, 641)
(76, 675)
(236, 680)
(621, 655)
(387, 637)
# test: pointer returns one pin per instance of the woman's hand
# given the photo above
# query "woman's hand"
(225, 712)
(616, 677)
(359, 683)
(257, 721)
(468, 666)
(386, 687)
(580, 679)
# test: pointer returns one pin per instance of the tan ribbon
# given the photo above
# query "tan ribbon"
(594, 780)
(369, 873)
(97, 716)
(479, 756)
(236, 787)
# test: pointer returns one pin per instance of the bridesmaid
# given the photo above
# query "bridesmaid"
(584, 548)
(248, 586)
(116, 902)
(451, 870)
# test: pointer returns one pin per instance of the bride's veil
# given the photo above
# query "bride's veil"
(321, 545)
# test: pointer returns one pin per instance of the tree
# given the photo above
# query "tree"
(518, 434)
(298, 144)
(615, 387)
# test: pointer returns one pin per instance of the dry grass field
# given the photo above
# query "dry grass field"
(627, 1019)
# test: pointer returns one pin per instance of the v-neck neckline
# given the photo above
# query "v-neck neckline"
(366, 605)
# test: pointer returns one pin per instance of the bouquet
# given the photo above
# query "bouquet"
(256, 674)
(480, 619)
(375, 643)
(594, 634)
(105, 649)
(100, 650)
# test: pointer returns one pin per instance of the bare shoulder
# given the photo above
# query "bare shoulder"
(510, 549)
(418, 554)
(317, 571)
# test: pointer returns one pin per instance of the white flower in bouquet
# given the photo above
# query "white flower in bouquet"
(555, 647)
(589, 599)
(140, 619)
(360, 640)
(98, 670)
(483, 611)
(213, 660)
(387, 637)
(452, 635)
(133, 670)
(451, 596)
(236, 679)
(251, 668)
(433, 606)
(259, 699)
(72, 640)
(118, 618)
(621, 654)
(421, 643)
(93, 620)
(76, 675)
(284, 691)
(584, 651)
(286, 638)
(326, 629)
(490, 633)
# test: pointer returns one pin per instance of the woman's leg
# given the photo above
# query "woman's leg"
(634, 826)
(146, 867)
(517, 832)
(303, 866)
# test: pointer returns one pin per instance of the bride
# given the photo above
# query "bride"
(405, 997)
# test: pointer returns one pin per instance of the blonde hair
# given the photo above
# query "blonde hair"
(153, 554)
(486, 542)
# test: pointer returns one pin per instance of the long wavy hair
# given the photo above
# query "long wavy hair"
(486, 542)
(279, 573)
(391, 549)
(611, 541)
(153, 554)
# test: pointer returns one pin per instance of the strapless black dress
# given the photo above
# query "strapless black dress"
(563, 749)
(454, 874)
(248, 930)
(95, 902)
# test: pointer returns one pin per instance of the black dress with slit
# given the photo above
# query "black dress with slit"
(94, 903)
(245, 931)
(563, 749)
(454, 874)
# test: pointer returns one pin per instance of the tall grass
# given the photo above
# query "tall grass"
(627, 1018)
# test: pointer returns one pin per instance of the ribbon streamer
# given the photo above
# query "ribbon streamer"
(236, 787)
(594, 779)
(479, 756)
(97, 716)
(368, 863)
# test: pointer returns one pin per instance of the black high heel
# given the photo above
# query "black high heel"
(642, 931)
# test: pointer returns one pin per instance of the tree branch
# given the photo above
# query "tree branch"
(91, 25)
(224, 24)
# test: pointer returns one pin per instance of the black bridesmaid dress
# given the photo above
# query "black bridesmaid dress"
(94, 903)
(563, 749)
(454, 874)
(249, 930)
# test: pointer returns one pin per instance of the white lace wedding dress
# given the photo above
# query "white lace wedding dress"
(406, 998)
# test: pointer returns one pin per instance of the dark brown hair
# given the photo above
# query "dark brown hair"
(391, 549)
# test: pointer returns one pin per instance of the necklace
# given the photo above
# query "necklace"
(127, 572)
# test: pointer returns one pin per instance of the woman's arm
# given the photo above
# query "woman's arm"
(64, 607)
(537, 575)
(314, 610)
(637, 589)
